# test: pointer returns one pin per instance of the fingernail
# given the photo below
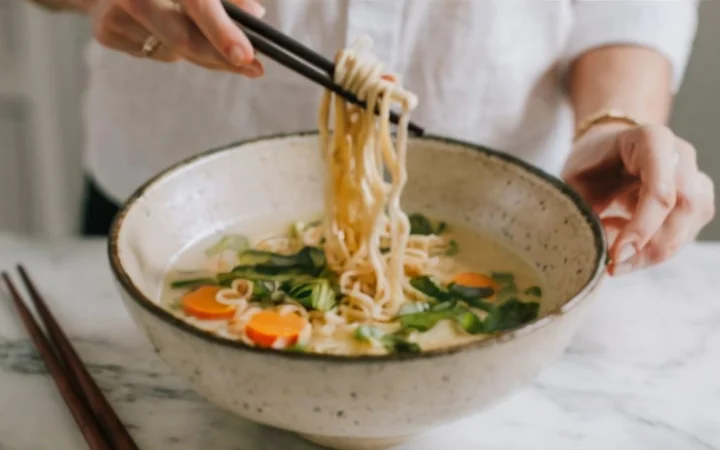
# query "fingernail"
(623, 269)
(253, 71)
(237, 56)
(626, 252)
(255, 8)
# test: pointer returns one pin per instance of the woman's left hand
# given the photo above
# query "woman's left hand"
(645, 184)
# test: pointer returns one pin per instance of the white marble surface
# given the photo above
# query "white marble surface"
(643, 374)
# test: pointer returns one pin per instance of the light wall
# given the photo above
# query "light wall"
(697, 107)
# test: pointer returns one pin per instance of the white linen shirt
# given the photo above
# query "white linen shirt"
(485, 71)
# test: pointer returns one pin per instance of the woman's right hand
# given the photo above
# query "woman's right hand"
(198, 31)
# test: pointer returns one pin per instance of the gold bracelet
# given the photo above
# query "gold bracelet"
(605, 116)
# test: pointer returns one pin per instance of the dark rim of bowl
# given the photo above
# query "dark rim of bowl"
(165, 316)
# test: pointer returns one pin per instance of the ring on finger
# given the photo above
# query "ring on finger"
(177, 5)
(150, 46)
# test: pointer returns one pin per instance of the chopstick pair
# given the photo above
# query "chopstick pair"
(98, 422)
(291, 53)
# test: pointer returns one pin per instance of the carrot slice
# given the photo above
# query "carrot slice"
(475, 280)
(201, 303)
(389, 77)
(268, 327)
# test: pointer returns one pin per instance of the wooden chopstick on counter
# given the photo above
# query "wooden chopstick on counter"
(98, 422)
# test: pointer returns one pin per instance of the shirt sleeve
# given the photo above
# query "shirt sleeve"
(667, 26)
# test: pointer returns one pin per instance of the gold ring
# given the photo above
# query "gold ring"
(150, 46)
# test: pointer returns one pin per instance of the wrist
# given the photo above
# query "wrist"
(602, 130)
(604, 120)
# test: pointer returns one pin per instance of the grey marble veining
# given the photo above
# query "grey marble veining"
(643, 374)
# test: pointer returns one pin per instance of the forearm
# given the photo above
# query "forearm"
(632, 79)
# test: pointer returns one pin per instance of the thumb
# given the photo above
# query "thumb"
(625, 256)
(613, 226)
(252, 6)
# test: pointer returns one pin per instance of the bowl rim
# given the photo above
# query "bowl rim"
(165, 316)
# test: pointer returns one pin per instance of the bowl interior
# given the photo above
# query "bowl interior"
(530, 212)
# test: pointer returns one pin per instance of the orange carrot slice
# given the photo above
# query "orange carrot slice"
(201, 303)
(475, 280)
(268, 327)
(389, 77)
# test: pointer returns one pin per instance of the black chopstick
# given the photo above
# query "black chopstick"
(86, 421)
(256, 25)
(313, 75)
(117, 433)
(263, 37)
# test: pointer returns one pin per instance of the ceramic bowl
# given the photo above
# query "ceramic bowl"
(361, 402)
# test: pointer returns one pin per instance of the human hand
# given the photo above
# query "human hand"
(645, 184)
(198, 31)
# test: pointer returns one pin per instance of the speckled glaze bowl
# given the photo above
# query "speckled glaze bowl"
(364, 402)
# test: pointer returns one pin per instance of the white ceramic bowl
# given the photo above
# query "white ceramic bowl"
(366, 401)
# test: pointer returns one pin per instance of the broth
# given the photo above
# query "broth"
(515, 281)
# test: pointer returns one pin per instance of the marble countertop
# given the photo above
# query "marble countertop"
(643, 374)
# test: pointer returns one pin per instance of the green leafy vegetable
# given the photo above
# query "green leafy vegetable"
(251, 258)
(452, 249)
(426, 320)
(419, 224)
(309, 260)
(506, 281)
(398, 343)
(503, 278)
(298, 228)
(192, 283)
(393, 342)
(468, 320)
(316, 256)
(414, 307)
(267, 290)
(249, 273)
(507, 314)
(511, 314)
(234, 242)
(431, 287)
(366, 333)
(302, 276)
(298, 348)
(471, 294)
(533, 291)
(315, 294)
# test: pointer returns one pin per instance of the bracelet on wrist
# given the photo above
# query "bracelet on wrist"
(602, 117)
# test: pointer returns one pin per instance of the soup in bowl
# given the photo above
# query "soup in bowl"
(222, 261)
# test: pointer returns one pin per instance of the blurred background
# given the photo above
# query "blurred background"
(41, 83)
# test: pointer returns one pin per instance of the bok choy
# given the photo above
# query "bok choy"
(393, 342)
(419, 224)
(309, 260)
(234, 242)
(314, 294)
